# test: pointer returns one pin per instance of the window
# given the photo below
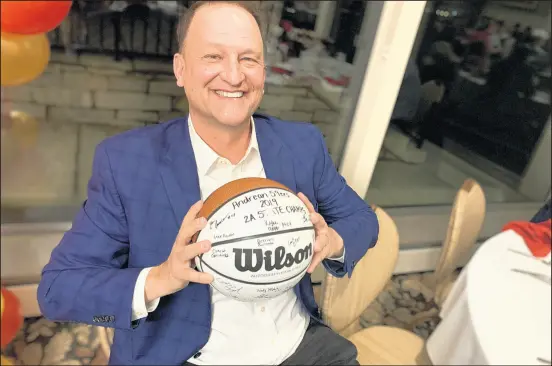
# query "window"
(347, 21)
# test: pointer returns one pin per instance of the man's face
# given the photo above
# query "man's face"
(221, 66)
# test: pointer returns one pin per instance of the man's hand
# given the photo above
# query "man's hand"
(178, 270)
(328, 243)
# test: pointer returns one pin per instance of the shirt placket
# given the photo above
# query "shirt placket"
(265, 319)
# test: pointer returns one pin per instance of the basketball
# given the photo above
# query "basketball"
(262, 239)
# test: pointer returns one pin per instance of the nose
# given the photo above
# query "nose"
(232, 73)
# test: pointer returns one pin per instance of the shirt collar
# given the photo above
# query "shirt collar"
(206, 157)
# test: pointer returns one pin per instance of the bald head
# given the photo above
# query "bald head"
(252, 7)
(221, 63)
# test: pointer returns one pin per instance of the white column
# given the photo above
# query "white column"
(535, 183)
(324, 18)
(396, 33)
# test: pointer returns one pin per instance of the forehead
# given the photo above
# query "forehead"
(224, 24)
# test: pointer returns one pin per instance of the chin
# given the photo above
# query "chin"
(232, 119)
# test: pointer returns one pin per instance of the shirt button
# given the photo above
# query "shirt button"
(262, 309)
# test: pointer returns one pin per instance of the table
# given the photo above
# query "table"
(494, 316)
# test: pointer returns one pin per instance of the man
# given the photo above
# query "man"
(127, 261)
(496, 41)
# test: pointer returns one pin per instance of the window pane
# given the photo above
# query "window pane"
(474, 101)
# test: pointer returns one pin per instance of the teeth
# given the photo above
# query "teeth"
(229, 95)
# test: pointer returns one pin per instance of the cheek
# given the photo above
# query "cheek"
(207, 74)
(256, 78)
(199, 77)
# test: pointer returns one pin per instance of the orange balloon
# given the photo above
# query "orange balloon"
(4, 361)
(11, 318)
(32, 16)
(24, 58)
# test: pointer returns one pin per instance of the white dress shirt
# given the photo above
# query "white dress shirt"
(263, 332)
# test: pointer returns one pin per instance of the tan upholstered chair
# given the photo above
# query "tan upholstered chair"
(466, 220)
(345, 299)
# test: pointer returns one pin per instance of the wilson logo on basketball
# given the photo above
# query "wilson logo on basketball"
(252, 260)
(262, 240)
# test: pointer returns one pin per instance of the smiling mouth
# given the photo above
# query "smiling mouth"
(226, 94)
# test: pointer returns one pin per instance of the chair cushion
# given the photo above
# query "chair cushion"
(383, 345)
(345, 299)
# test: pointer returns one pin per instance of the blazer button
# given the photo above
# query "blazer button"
(197, 355)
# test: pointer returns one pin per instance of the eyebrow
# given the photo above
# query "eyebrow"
(244, 52)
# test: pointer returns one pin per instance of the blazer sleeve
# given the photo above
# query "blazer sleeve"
(344, 211)
(87, 279)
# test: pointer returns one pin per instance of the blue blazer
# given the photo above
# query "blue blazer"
(143, 183)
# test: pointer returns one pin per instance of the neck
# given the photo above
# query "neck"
(230, 142)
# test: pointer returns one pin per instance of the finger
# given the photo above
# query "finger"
(316, 259)
(187, 232)
(193, 250)
(318, 222)
(192, 213)
(321, 242)
(192, 275)
(191, 224)
(306, 201)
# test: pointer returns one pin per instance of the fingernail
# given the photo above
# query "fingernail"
(202, 221)
(205, 245)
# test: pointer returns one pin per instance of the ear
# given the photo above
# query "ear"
(178, 68)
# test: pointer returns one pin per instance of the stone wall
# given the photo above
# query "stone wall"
(79, 101)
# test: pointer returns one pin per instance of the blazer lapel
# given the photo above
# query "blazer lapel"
(277, 159)
(178, 169)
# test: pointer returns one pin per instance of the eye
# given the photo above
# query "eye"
(249, 61)
(212, 57)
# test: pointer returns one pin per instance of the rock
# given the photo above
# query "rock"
(32, 354)
(371, 317)
(424, 333)
(416, 288)
(387, 302)
(428, 279)
(394, 291)
(402, 314)
(392, 322)
(376, 306)
(83, 335)
(409, 303)
(56, 350)
(84, 352)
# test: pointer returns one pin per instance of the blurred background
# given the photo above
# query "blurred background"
(413, 98)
